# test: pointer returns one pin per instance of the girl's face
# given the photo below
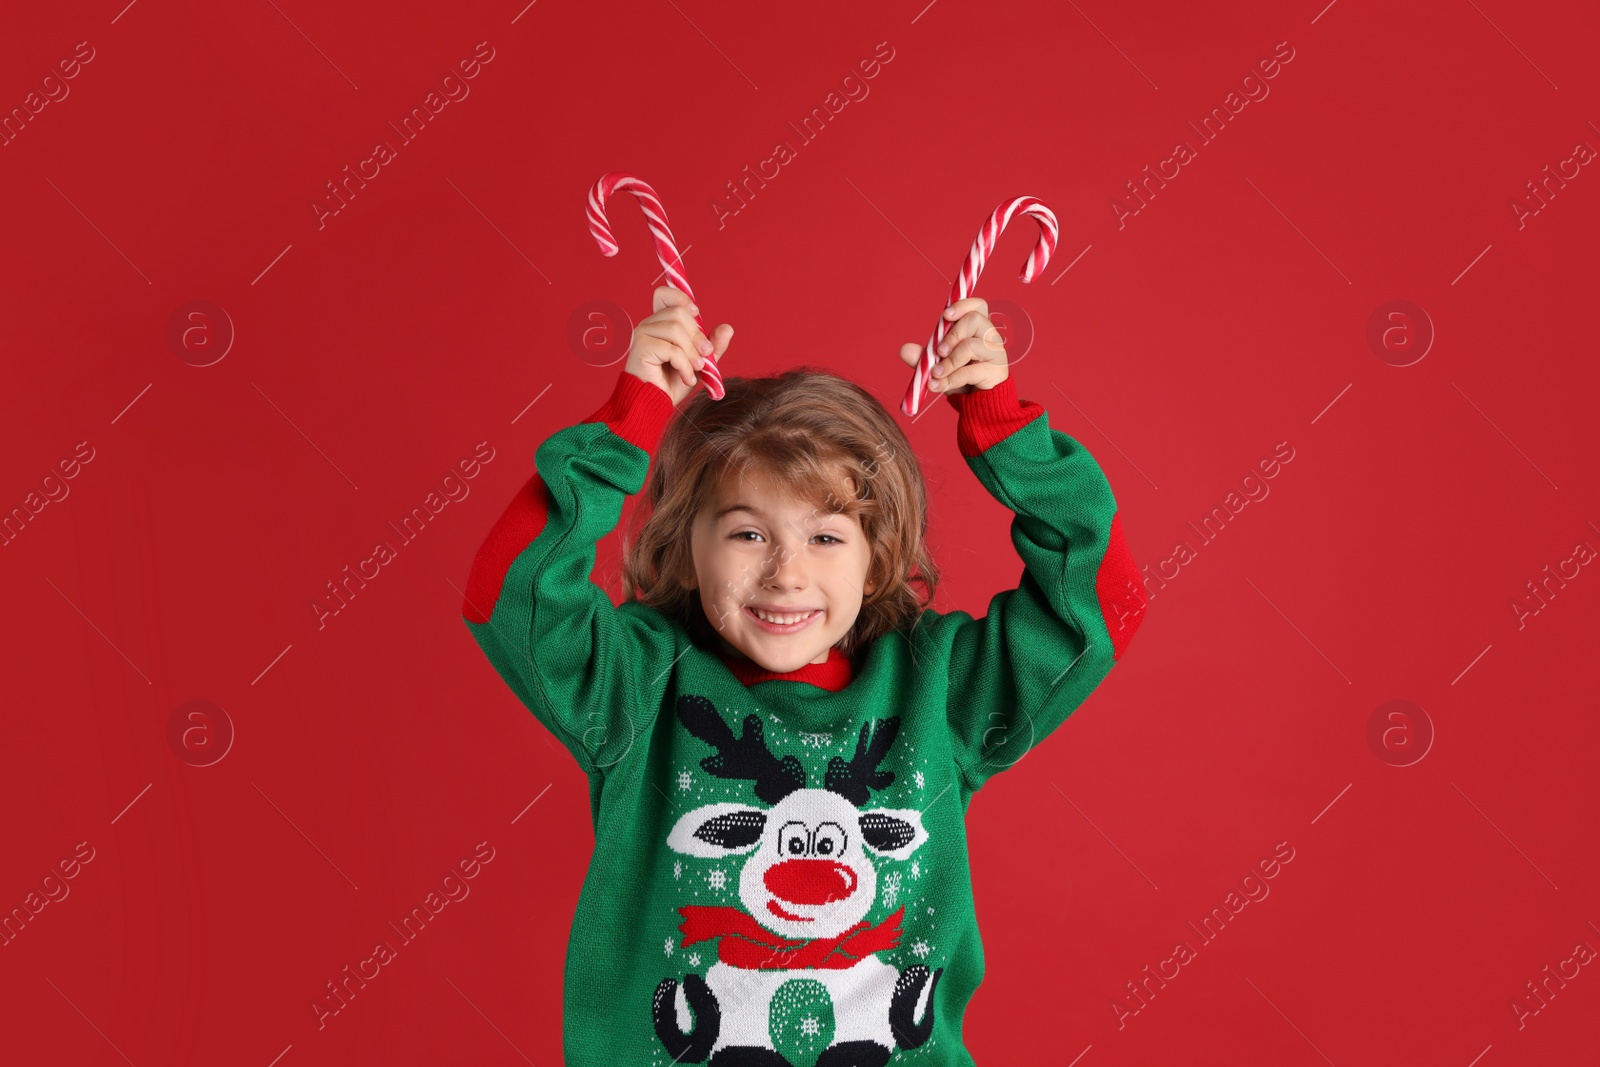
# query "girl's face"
(757, 552)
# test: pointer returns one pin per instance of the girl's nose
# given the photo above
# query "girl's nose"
(783, 569)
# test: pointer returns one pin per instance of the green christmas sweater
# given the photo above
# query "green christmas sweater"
(780, 872)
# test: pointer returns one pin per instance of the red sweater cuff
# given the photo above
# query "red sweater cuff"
(636, 411)
(988, 416)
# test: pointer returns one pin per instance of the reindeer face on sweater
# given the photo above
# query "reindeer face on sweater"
(810, 871)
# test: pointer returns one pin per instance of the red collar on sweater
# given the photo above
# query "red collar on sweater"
(833, 674)
(746, 943)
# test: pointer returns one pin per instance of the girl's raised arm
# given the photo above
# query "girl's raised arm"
(582, 665)
(1043, 647)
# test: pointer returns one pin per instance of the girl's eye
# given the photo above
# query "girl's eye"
(740, 536)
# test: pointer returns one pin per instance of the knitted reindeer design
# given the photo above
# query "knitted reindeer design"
(806, 886)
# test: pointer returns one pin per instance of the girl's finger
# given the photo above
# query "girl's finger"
(971, 357)
(670, 358)
(965, 351)
(677, 328)
(686, 363)
(682, 364)
(699, 343)
(675, 315)
(977, 375)
(910, 354)
(667, 296)
(719, 343)
(973, 322)
(682, 313)
(961, 307)
(656, 351)
(990, 343)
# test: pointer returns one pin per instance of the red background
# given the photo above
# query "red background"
(372, 353)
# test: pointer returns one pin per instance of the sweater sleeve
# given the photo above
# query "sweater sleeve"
(1043, 647)
(582, 665)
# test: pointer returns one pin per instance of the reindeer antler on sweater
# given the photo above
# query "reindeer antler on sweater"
(744, 757)
(852, 780)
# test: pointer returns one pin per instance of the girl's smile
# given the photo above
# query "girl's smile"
(783, 622)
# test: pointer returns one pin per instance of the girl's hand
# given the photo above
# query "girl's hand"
(973, 354)
(668, 347)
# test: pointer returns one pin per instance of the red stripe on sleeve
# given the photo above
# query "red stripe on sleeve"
(1122, 596)
(514, 531)
(637, 412)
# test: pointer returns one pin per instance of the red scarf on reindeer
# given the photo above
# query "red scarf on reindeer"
(746, 943)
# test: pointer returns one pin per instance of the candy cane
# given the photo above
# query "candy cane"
(666, 248)
(982, 246)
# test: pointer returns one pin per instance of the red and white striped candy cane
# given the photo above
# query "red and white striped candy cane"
(1049, 232)
(666, 248)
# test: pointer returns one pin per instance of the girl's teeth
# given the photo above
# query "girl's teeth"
(781, 620)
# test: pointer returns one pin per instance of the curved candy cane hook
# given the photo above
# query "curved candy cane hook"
(666, 248)
(982, 246)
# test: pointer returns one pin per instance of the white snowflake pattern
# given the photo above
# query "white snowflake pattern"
(916, 868)
(921, 948)
(694, 959)
(677, 868)
(810, 1026)
(920, 780)
(685, 781)
(718, 879)
(891, 888)
(930, 909)
(669, 946)
(816, 740)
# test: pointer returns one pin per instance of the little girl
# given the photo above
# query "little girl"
(781, 740)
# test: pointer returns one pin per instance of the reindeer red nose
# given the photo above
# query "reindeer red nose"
(810, 881)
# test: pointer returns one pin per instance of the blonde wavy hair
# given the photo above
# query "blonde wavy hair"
(820, 437)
